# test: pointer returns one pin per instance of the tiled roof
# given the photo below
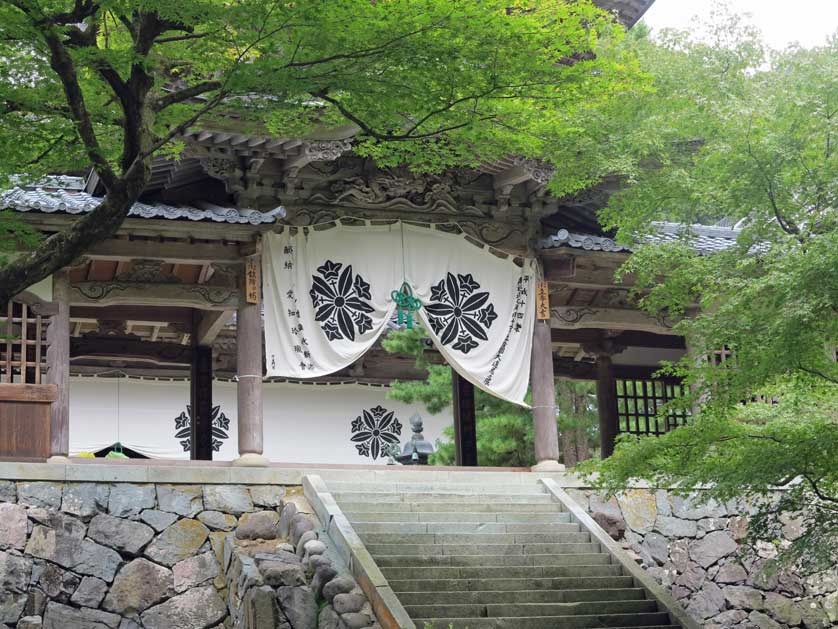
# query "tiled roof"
(704, 238)
(64, 202)
(564, 238)
(629, 10)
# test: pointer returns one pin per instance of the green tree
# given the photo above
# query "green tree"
(504, 430)
(428, 84)
(578, 421)
(733, 132)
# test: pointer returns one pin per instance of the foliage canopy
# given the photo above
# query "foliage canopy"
(427, 84)
(735, 133)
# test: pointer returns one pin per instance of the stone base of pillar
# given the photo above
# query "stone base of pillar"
(59, 459)
(251, 459)
(548, 466)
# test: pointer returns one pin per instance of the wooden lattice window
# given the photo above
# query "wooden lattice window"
(638, 401)
(23, 342)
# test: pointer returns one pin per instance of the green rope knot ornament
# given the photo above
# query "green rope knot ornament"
(406, 304)
(116, 452)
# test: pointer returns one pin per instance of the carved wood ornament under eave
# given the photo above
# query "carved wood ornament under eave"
(147, 283)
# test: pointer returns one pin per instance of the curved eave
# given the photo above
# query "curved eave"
(64, 202)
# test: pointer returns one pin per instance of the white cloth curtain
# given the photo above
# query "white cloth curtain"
(327, 297)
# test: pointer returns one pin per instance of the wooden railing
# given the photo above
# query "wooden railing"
(25, 395)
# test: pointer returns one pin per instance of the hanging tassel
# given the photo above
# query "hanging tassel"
(406, 304)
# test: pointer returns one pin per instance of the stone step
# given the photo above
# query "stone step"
(359, 517)
(507, 584)
(492, 560)
(431, 548)
(493, 488)
(657, 620)
(557, 540)
(501, 597)
(436, 506)
(525, 572)
(462, 528)
(492, 610)
(446, 497)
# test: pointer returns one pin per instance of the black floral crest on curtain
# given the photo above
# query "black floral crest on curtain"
(458, 314)
(373, 430)
(338, 297)
(220, 426)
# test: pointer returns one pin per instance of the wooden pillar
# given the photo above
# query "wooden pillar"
(606, 395)
(58, 368)
(543, 384)
(465, 425)
(249, 389)
(200, 389)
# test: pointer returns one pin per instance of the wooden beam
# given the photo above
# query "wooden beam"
(559, 268)
(210, 324)
(115, 293)
(575, 317)
(629, 338)
(634, 338)
(159, 314)
(249, 351)
(200, 392)
(512, 176)
(15, 392)
(172, 252)
(465, 424)
(546, 436)
(606, 395)
(583, 370)
(584, 277)
(158, 352)
(156, 228)
(58, 365)
(615, 258)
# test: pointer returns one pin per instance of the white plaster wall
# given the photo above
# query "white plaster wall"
(303, 423)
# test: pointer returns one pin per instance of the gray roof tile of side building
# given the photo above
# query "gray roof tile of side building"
(704, 238)
(67, 202)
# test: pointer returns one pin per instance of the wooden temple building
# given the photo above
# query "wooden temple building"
(165, 296)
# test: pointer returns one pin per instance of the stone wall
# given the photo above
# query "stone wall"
(697, 551)
(300, 583)
(125, 556)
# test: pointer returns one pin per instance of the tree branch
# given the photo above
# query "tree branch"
(786, 226)
(390, 137)
(814, 485)
(176, 38)
(179, 96)
(62, 248)
(82, 10)
(49, 149)
(183, 126)
(62, 64)
(815, 372)
(358, 54)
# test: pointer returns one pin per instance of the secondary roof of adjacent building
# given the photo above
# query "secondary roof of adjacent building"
(705, 239)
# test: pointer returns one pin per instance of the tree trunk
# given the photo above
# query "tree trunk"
(569, 448)
(583, 452)
(63, 248)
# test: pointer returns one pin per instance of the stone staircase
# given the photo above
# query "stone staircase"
(476, 555)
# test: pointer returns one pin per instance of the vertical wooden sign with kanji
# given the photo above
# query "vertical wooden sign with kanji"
(542, 301)
(253, 279)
